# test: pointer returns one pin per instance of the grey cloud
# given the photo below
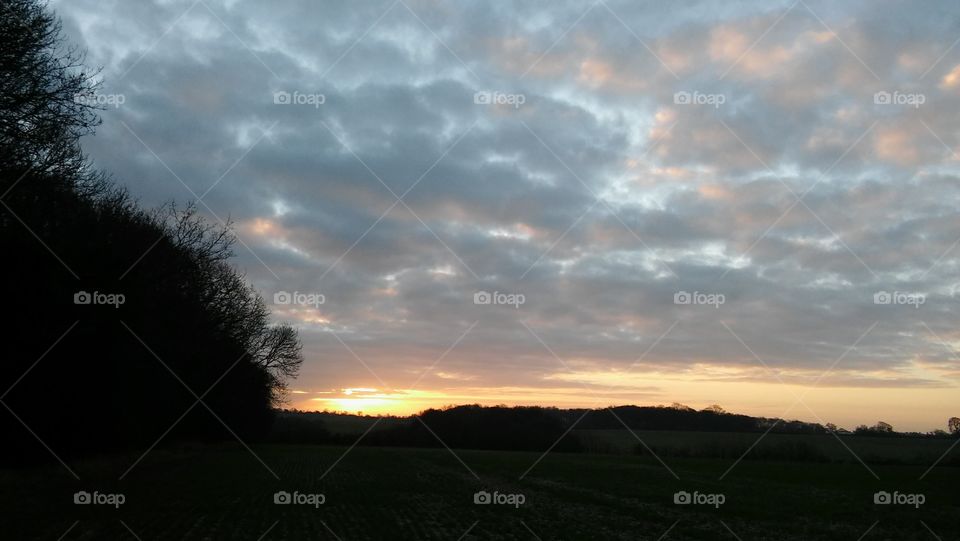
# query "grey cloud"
(693, 209)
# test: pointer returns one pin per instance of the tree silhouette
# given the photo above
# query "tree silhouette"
(883, 427)
(46, 95)
(80, 375)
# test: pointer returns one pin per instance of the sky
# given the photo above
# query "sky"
(576, 204)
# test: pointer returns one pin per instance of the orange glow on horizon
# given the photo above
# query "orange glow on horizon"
(743, 392)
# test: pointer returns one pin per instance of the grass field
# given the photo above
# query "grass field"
(734, 444)
(224, 492)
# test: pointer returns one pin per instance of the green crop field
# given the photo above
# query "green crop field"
(224, 492)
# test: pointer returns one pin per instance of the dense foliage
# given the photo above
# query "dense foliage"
(122, 322)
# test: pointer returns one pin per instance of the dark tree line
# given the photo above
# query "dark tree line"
(80, 375)
(522, 428)
(477, 427)
(669, 418)
(526, 428)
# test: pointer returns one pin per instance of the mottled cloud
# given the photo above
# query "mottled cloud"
(796, 159)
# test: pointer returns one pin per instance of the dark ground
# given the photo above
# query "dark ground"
(224, 492)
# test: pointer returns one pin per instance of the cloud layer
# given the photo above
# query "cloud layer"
(794, 159)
